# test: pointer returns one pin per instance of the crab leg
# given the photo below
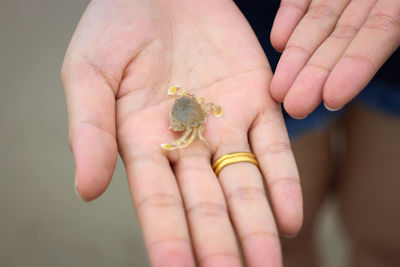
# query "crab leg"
(200, 134)
(210, 106)
(176, 90)
(189, 141)
(177, 142)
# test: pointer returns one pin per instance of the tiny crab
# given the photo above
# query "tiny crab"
(188, 114)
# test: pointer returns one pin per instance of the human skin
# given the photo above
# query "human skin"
(331, 50)
(121, 61)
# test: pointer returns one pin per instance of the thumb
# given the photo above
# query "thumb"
(91, 116)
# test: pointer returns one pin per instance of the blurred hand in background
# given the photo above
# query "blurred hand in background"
(331, 50)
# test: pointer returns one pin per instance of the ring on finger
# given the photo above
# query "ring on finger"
(231, 158)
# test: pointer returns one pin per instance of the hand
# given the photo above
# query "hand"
(331, 50)
(121, 61)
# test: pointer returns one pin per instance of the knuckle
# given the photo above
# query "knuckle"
(383, 22)
(159, 200)
(251, 235)
(346, 32)
(91, 123)
(218, 257)
(277, 148)
(297, 49)
(248, 194)
(174, 248)
(293, 5)
(319, 67)
(207, 209)
(287, 180)
(321, 11)
(143, 158)
(361, 59)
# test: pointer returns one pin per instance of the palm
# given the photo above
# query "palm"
(210, 49)
(230, 70)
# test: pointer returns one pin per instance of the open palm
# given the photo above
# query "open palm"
(121, 61)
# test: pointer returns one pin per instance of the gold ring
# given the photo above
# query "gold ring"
(232, 158)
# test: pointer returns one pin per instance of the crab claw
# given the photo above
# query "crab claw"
(176, 90)
(217, 111)
(167, 146)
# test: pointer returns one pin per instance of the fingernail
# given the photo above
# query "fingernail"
(299, 118)
(332, 109)
(290, 236)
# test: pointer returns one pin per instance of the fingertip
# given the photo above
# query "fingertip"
(95, 154)
(281, 31)
(346, 80)
(305, 93)
(333, 100)
(292, 228)
(289, 67)
(331, 108)
(288, 206)
(332, 97)
(278, 40)
(295, 109)
(286, 20)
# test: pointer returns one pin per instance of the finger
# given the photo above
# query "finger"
(90, 103)
(278, 167)
(251, 215)
(159, 207)
(212, 234)
(288, 16)
(311, 31)
(306, 92)
(378, 38)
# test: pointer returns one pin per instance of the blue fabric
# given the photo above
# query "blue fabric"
(379, 95)
(382, 93)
